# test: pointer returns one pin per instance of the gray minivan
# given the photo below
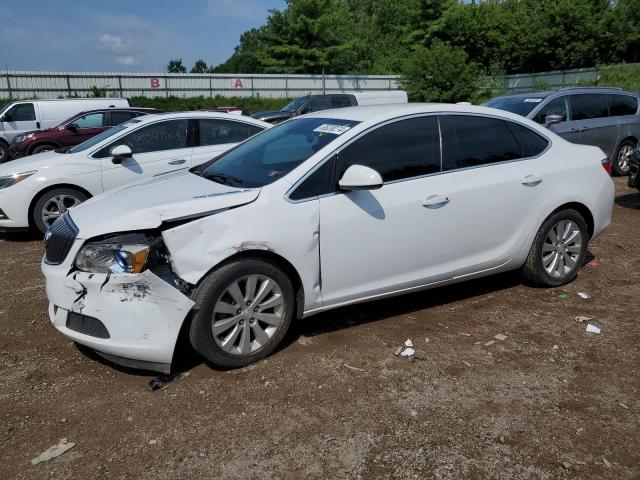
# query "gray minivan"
(608, 118)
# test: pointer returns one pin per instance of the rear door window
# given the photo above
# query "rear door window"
(120, 117)
(620, 105)
(473, 141)
(399, 150)
(340, 101)
(217, 132)
(22, 112)
(586, 106)
(557, 106)
(531, 143)
(167, 135)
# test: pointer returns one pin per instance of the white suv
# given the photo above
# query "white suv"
(36, 190)
(323, 210)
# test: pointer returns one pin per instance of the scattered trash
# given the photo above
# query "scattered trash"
(606, 462)
(355, 368)
(584, 295)
(566, 465)
(163, 381)
(477, 343)
(555, 347)
(53, 451)
(467, 364)
(593, 329)
(563, 296)
(152, 442)
(408, 343)
(427, 340)
(582, 318)
(398, 351)
(500, 336)
(408, 352)
(623, 405)
(464, 334)
(489, 343)
(593, 263)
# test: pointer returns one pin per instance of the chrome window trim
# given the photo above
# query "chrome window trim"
(441, 172)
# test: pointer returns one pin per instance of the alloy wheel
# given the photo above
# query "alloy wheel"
(248, 314)
(561, 249)
(624, 157)
(57, 206)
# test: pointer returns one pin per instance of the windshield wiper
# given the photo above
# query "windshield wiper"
(222, 178)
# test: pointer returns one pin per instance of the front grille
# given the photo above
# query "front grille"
(59, 240)
(87, 325)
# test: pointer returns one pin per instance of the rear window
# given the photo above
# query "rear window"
(620, 105)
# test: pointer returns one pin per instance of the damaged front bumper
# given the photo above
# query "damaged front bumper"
(132, 319)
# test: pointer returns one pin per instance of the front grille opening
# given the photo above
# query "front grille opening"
(87, 325)
(60, 238)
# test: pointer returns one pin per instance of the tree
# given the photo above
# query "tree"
(441, 73)
(200, 67)
(176, 66)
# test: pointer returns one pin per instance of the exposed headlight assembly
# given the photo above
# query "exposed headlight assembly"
(10, 180)
(124, 254)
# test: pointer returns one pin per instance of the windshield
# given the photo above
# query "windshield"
(100, 137)
(273, 153)
(520, 105)
(294, 105)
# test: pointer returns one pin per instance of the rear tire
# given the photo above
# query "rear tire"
(53, 204)
(242, 312)
(42, 148)
(4, 152)
(558, 250)
(621, 157)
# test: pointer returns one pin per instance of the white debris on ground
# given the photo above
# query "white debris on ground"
(592, 328)
(53, 451)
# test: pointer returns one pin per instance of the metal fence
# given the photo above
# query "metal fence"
(26, 84)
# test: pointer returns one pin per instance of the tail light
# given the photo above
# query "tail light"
(606, 164)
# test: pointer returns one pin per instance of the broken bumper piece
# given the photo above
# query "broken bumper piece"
(131, 319)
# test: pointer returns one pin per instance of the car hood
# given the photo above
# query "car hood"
(147, 204)
(277, 114)
(38, 162)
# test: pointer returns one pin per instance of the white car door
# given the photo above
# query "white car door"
(20, 118)
(157, 148)
(215, 136)
(498, 183)
(399, 236)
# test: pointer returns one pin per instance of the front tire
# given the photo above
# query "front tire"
(4, 152)
(53, 204)
(558, 250)
(242, 312)
(622, 156)
(42, 148)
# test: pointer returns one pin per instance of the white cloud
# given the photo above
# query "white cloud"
(127, 60)
(113, 43)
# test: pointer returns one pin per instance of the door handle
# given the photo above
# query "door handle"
(531, 180)
(177, 162)
(435, 201)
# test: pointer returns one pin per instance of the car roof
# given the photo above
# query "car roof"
(200, 114)
(376, 113)
(546, 93)
(121, 109)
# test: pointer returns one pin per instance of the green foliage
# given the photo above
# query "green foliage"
(179, 104)
(200, 67)
(97, 92)
(175, 66)
(440, 73)
(624, 75)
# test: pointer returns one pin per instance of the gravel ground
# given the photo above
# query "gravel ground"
(549, 401)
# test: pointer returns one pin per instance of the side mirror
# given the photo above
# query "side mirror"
(119, 153)
(553, 119)
(359, 177)
(73, 127)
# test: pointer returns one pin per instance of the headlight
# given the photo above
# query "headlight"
(113, 257)
(10, 180)
(20, 138)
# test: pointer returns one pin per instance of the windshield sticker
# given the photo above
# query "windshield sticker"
(330, 128)
(532, 100)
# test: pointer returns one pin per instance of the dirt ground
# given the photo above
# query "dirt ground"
(549, 401)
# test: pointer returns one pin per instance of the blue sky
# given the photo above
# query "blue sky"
(121, 35)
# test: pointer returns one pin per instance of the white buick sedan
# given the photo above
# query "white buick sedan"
(36, 190)
(328, 209)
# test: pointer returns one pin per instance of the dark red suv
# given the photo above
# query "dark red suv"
(73, 130)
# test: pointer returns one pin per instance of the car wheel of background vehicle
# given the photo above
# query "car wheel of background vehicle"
(242, 312)
(558, 250)
(4, 152)
(42, 148)
(622, 156)
(53, 204)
